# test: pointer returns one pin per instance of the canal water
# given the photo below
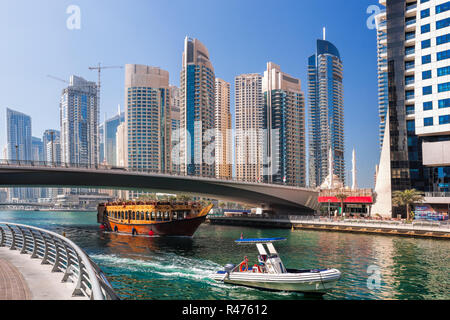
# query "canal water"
(373, 267)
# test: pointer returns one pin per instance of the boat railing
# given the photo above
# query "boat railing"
(64, 255)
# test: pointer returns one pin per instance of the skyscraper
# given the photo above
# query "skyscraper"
(383, 90)
(79, 123)
(249, 127)
(49, 136)
(284, 122)
(326, 113)
(197, 118)
(416, 149)
(147, 117)
(110, 131)
(175, 136)
(223, 152)
(19, 140)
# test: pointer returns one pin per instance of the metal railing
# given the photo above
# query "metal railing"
(437, 194)
(65, 256)
(47, 164)
(367, 222)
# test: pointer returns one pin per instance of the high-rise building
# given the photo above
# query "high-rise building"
(284, 122)
(326, 113)
(416, 144)
(37, 149)
(101, 143)
(223, 138)
(79, 117)
(19, 140)
(249, 127)
(175, 136)
(110, 142)
(197, 117)
(121, 146)
(383, 90)
(49, 136)
(147, 117)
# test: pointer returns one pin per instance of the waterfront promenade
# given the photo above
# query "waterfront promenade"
(423, 229)
(22, 278)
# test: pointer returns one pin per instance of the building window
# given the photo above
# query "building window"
(443, 39)
(425, 28)
(426, 74)
(428, 105)
(411, 125)
(428, 121)
(442, 23)
(426, 44)
(443, 7)
(425, 13)
(444, 103)
(442, 87)
(427, 90)
(443, 71)
(426, 59)
(443, 55)
(444, 119)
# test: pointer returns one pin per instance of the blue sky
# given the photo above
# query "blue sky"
(241, 36)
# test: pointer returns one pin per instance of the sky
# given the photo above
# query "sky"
(241, 37)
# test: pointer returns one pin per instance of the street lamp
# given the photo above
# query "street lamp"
(17, 154)
(329, 212)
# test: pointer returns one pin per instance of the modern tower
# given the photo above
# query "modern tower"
(175, 117)
(249, 127)
(79, 123)
(383, 90)
(147, 118)
(326, 113)
(416, 146)
(19, 145)
(223, 152)
(284, 149)
(197, 116)
(110, 130)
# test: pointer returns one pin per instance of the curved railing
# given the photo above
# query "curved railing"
(63, 254)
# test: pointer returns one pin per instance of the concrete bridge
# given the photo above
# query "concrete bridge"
(280, 199)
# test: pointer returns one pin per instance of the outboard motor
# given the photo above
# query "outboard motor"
(229, 267)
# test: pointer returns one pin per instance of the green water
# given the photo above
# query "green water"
(178, 268)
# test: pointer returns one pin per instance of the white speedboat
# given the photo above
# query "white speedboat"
(271, 274)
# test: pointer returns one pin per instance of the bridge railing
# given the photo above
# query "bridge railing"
(64, 255)
(29, 163)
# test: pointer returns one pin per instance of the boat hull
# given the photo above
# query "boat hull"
(320, 282)
(184, 228)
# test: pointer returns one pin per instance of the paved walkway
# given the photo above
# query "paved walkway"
(12, 283)
(23, 278)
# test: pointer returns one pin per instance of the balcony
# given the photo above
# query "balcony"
(410, 24)
(411, 10)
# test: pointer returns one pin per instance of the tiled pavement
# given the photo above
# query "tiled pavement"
(12, 283)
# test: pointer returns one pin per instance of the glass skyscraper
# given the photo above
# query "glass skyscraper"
(197, 116)
(283, 120)
(326, 113)
(19, 146)
(79, 116)
(109, 137)
(418, 117)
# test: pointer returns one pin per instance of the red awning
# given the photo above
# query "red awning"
(348, 200)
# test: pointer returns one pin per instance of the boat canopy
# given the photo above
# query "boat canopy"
(258, 240)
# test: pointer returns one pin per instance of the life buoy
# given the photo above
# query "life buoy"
(243, 267)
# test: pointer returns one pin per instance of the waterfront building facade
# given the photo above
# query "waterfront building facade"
(147, 118)
(417, 151)
(79, 119)
(19, 146)
(223, 138)
(284, 146)
(326, 113)
(197, 117)
(249, 127)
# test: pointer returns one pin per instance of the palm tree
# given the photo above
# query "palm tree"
(407, 198)
(342, 197)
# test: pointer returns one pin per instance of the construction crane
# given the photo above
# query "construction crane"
(67, 82)
(99, 69)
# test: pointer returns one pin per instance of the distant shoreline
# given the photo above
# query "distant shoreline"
(52, 210)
